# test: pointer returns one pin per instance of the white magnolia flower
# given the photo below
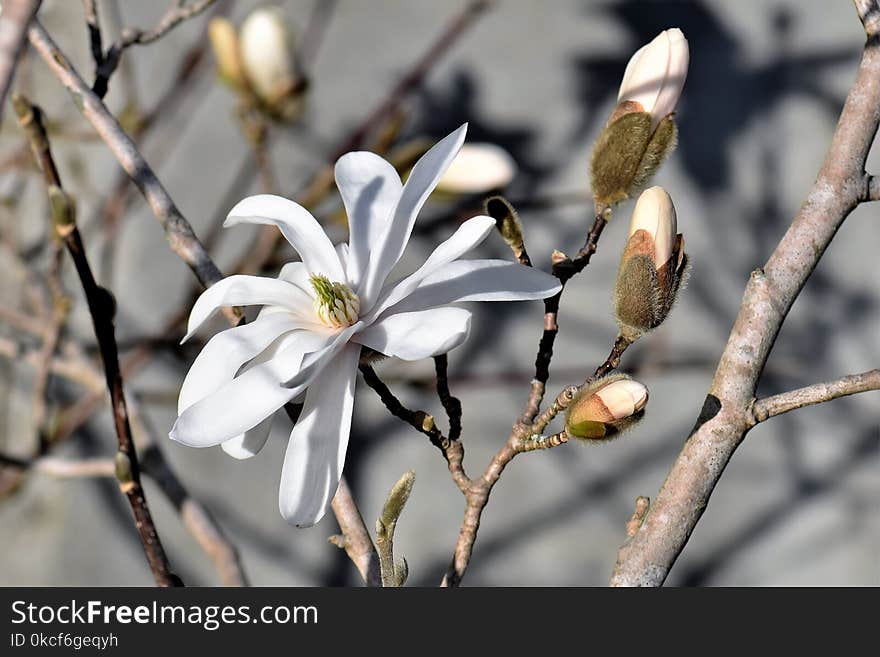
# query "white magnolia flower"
(655, 74)
(316, 316)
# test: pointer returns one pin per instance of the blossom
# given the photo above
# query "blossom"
(606, 407)
(319, 313)
(655, 74)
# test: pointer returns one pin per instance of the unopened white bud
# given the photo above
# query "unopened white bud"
(478, 169)
(656, 73)
(655, 214)
(266, 52)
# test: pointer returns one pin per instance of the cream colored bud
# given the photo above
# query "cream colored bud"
(266, 52)
(655, 75)
(655, 214)
(623, 398)
(224, 43)
(478, 169)
(606, 407)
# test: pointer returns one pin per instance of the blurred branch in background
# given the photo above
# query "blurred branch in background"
(102, 307)
(15, 18)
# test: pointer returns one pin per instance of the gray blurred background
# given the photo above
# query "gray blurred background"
(798, 503)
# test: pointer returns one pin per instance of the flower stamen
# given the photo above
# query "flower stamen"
(335, 304)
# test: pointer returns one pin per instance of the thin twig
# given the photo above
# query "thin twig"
(764, 409)
(180, 234)
(15, 17)
(106, 62)
(194, 515)
(355, 538)
(452, 405)
(418, 420)
(564, 269)
(102, 308)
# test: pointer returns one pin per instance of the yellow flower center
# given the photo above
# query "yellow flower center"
(335, 304)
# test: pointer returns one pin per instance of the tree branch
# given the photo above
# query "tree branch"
(726, 416)
(355, 538)
(178, 231)
(764, 409)
(14, 21)
(107, 62)
(102, 307)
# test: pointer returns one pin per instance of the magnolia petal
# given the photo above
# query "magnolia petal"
(646, 73)
(225, 353)
(313, 362)
(471, 233)
(316, 452)
(417, 335)
(479, 280)
(241, 290)
(370, 188)
(297, 225)
(393, 240)
(249, 444)
(676, 73)
(297, 274)
(248, 399)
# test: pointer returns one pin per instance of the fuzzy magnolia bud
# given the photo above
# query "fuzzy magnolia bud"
(478, 169)
(507, 222)
(606, 407)
(266, 55)
(224, 43)
(640, 132)
(655, 75)
(652, 266)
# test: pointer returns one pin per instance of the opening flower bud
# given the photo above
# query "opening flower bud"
(652, 266)
(655, 214)
(606, 407)
(267, 57)
(640, 132)
(478, 169)
(655, 75)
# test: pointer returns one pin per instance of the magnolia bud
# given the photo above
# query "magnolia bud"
(640, 132)
(267, 55)
(478, 169)
(508, 224)
(606, 407)
(652, 266)
(655, 75)
(224, 43)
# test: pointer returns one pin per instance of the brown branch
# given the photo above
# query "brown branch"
(102, 308)
(452, 405)
(193, 514)
(180, 234)
(107, 62)
(15, 18)
(418, 420)
(764, 409)
(564, 269)
(727, 416)
(355, 538)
